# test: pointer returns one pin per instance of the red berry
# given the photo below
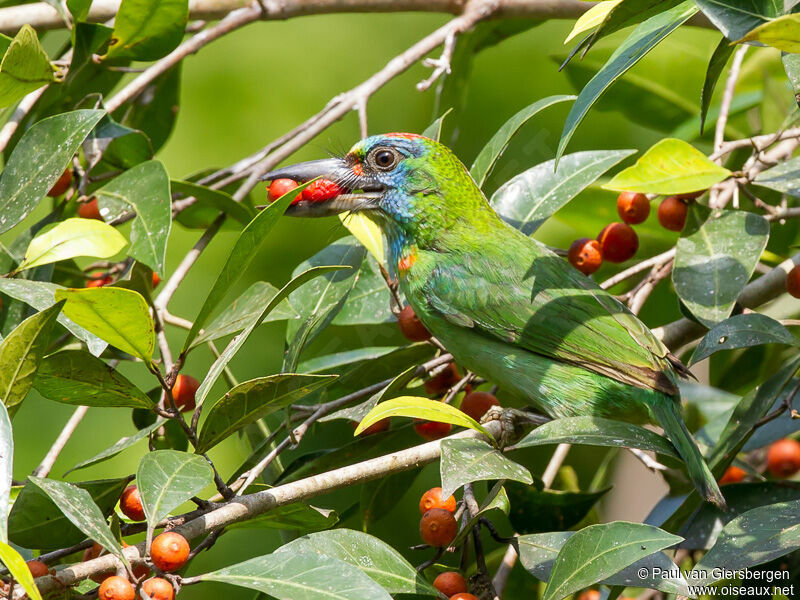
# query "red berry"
(156, 279)
(432, 430)
(130, 503)
(321, 189)
(793, 281)
(169, 551)
(633, 207)
(732, 475)
(464, 596)
(60, 186)
(475, 404)
(672, 213)
(378, 427)
(89, 210)
(589, 595)
(618, 242)
(411, 327)
(585, 255)
(99, 279)
(438, 527)
(37, 568)
(433, 499)
(116, 588)
(783, 458)
(183, 392)
(450, 583)
(280, 187)
(441, 382)
(158, 589)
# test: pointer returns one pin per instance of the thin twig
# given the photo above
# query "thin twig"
(50, 458)
(637, 268)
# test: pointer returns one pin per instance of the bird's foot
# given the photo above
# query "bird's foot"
(513, 422)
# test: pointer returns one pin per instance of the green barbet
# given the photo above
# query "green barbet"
(504, 305)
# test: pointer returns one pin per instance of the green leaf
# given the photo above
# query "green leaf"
(538, 553)
(15, 564)
(783, 177)
(119, 316)
(627, 13)
(734, 18)
(369, 302)
(145, 190)
(596, 431)
(467, 460)
(239, 313)
(715, 258)
(529, 199)
(366, 231)
(77, 377)
(535, 509)
(118, 446)
(6, 469)
(669, 167)
(753, 538)
(166, 479)
(41, 295)
(382, 563)
(379, 496)
(20, 355)
(319, 302)
(434, 130)
(236, 343)
(25, 67)
(359, 411)
(209, 203)
(300, 576)
(78, 506)
(492, 151)
(49, 144)
(420, 408)
(292, 517)
(244, 251)
(253, 400)
(72, 238)
(716, 65)
(599, 551)
(791, 64)
(147, 29)
(591, 18)
(643, 39)
(742, 331)
(118, 146)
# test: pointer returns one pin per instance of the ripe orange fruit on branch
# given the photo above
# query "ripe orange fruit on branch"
(433, 499)
(321, 189)
(632, 207)
(464, 596)
(450, 583)
(432, 430)
(733, 474)
(475, 404)
(438, 527)
(586, 255)
(183, 392)
(158, 589)
(672, 213)
(116, 588)
(99, 279)
(37, 568)
(130, 503)
(89, 210)
(156, 279)
(61, 185)
(169, 551)
(783, 458)
(411, 327)
(618, 242)
(279, 187)
(793, 281)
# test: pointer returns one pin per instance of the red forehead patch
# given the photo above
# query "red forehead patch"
(407, 136)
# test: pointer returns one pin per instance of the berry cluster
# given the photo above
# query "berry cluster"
(783, 460)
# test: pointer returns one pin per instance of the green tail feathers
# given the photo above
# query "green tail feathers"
(667, 414)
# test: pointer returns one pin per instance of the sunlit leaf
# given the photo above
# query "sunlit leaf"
(467, 460)
(366, 231)
(15, 563)
(591, 18)
(25, 67)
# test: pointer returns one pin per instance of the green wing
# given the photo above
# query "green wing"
(527, 296)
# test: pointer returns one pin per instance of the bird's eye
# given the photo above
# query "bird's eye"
(384, 159)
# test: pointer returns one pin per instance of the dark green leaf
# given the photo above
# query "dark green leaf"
(783, 177)
(147, 29)
(715, 258)
(380, 496)
(643, 39)
(535, 509)
(300, 576)
(734, 18)
(118, 446)
(209, 203)
(77, 377)
(6, 469)
(119, 146)
(338, 361)
(529, 199)
(627, 13)
(467, 460)
(20, 355)
(717, 63)
(253, 400)
(742, 331)
(369, 302)
(25, 67)
(49, 145)
(434, 130)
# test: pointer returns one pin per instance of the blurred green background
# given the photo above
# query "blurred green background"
(252, 86)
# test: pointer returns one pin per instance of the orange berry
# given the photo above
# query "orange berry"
(183, 392)
(89, 210)
(450, 583)
(443, 381)
(793, 281)
(433, 499)
(783, 458)
(586, 255)
(432, 430)
(37, 568)
(156, 279)
(169, 551)
(411, 327)
(632, 207)
(280, 187)
(475, 404)
(158, 589)
(60, 186)
(116, 588)
(92, 552)
(99, 279)
(321, 190)
(130, 503)
(732, 474)
(618, 242)
(464, 596)
(589, 595)
(672, 213)
(378, 427)
(438, 527)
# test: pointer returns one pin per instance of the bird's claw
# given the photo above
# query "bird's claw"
(513, 422)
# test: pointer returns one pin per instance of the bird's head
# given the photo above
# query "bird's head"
(411, 185)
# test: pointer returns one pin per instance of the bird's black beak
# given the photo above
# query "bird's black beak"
(357, 191)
